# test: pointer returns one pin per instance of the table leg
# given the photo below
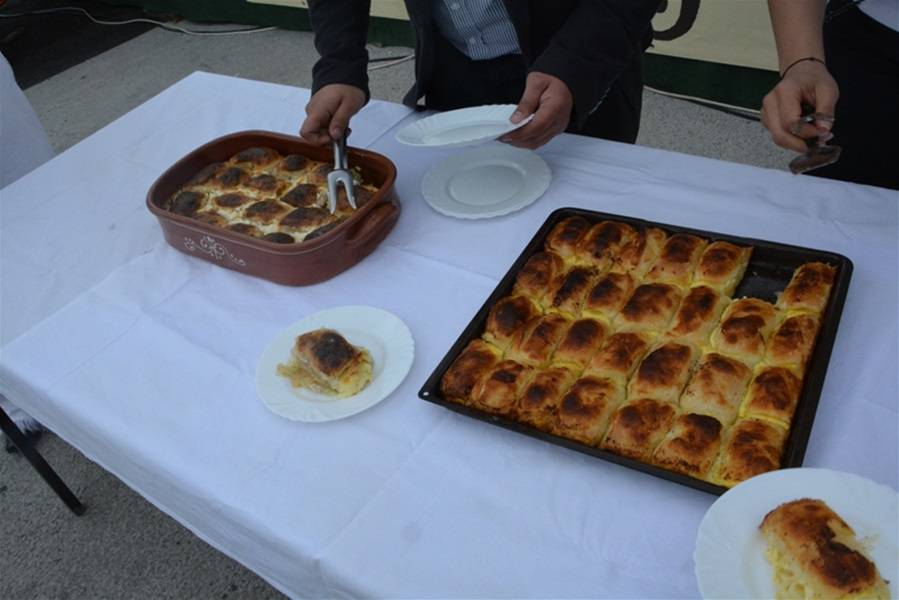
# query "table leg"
(40, 465)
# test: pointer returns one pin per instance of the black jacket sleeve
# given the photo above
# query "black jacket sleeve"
(593, 47)
(341, 31)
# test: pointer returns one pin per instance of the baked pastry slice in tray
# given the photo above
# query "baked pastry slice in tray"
(663, 373)
(619, 356)
(584, 411)
(542, 396)
(752, 447)
(475, 362)
(580, 342)
(500, 389)
(773, 395)
(690, 446)
(678, 259)
(717, 387)
(697, 315)
(638, 427)
(744, 330)
(809, 289)
(649, 308)
(722, 265)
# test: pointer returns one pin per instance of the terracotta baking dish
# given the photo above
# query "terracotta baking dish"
(291, 264)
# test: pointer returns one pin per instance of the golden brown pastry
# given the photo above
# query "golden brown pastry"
(228, 178)
(211, 217)
(568, 291)
(256, 156)
(535, 342)
(565, 237)
(304, 219)
(470, 366)
(507, 317)
(261, 194)
(773, 395)
(266, 212)
(640, 252)
(751, 447)
(305, 195)
(232, 200)
(206, 174)
(816, 554)
(246, 229)
(541, 397)
(580, 342)
(619, 356)
(585, 410)
(323, 361)
(500, 389)
(638, 427)
(793, 342)
(677, 261)
(602, 244)
(697, 315)
(717, 388)
(809, 288)
(294, 162)
(663, 373)
(649, 308)
(608, 295)
(690, 446)
(537, 274)
(722, 265)
(744, 329)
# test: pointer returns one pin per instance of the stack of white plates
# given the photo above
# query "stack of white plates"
(491, 180)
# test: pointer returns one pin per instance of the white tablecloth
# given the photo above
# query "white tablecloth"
(143, 358)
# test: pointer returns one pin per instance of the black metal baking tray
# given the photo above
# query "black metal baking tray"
(769, 271)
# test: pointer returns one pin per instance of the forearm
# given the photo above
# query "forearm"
(797, 26)
(341, 29)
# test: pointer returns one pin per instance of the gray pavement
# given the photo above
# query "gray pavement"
(124, 547)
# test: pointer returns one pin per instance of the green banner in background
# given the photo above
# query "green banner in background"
(718, 50)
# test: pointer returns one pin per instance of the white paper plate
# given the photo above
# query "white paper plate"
(730, 551)
(461, 127)
(383, 334)
(486, 182)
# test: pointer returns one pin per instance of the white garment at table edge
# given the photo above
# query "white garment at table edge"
(24, 146)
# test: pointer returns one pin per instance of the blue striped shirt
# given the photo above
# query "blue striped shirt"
(479, 29)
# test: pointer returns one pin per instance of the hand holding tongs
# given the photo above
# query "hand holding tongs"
(340, 175)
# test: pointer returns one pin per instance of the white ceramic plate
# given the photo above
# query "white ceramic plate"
(486, 182)
(730, 551)
(461, 127)
(384, 335)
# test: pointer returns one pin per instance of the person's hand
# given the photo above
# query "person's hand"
(329, 112)
(550, 101)
(809, 83)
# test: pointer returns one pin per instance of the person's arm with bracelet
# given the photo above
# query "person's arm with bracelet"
(340, 76)
(569, 80)
(805, 79)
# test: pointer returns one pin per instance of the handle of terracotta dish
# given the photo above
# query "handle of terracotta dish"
(372, 223)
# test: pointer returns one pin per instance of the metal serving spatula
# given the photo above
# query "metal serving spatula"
(817, 154)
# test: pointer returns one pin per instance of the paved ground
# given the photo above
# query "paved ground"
(123, 546)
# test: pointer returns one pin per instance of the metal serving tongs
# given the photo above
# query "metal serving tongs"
(340, 175)
(817, 154)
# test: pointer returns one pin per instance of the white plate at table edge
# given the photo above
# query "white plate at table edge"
(461, 127)
(437, 182)
(382, 333)
(729, 557)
